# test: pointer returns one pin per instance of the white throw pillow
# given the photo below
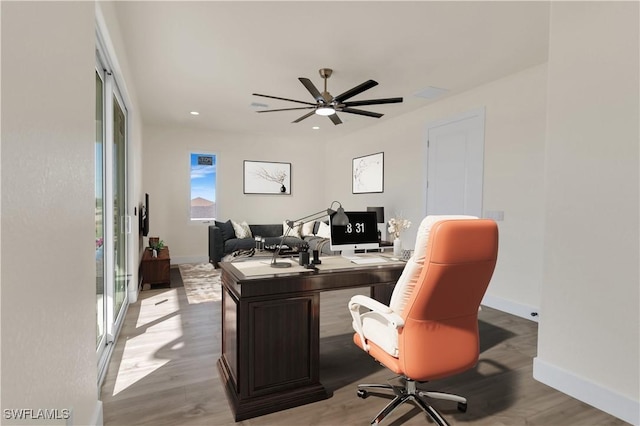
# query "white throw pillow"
(307, 228)
(242, 230)
(324, 231)
(295, 231)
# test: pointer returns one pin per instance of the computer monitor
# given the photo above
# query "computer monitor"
(361, 233)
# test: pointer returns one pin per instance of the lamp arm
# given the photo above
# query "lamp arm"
(291, 223)
(314, 216)
(319, 214)
(276, 253)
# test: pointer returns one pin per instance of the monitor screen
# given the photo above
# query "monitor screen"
(360, 233)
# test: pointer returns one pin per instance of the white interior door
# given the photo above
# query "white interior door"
(455, 163)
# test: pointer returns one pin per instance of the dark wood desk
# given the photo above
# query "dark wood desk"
(271, 328)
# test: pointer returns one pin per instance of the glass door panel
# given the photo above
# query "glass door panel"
(120, 223)
(99, 190)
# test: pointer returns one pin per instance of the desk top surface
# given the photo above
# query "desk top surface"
(260, 268)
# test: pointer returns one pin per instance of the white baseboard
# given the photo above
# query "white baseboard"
(602, 398)
(189, 259)
(97, 418)
(511, 307)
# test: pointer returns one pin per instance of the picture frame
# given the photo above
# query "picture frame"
(267, 177)
(368, 174)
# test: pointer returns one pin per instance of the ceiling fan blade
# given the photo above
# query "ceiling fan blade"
(312, 89)
(286, 109)
(336, 120)
(362, 112)
(304, 116)
(283, 99)
(373, 102)
(356, 90)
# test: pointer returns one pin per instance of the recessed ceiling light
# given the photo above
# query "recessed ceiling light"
(316, 127)
(259, 105)
(194, 113)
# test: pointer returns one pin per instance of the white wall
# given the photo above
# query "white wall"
(166, 179)
(513, 174)
(48, 313)
(589, 328)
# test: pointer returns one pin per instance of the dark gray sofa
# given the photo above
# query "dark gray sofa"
(223, 241)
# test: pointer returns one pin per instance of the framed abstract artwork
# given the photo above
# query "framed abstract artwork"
(368, 174)
(264, 177)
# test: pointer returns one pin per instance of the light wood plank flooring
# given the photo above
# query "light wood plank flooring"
(163, 372)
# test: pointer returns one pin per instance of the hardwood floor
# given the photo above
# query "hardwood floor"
(163, 372)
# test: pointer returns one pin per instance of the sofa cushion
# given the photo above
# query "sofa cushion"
(242, 229)
(235, 244)
(266, 230)
(318, 243)
(226, 229)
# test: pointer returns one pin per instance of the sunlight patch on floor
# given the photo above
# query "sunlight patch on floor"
(159, 327)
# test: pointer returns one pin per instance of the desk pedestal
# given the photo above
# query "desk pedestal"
(271, 334)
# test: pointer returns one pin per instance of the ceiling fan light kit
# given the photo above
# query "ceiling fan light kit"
(327, 105)
(324, 110)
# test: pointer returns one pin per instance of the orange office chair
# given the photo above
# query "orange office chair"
(430, 328)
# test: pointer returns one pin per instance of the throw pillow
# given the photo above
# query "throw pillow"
(307, 228)
(242, 229)
(324, 231)
(226, 229)
(295, 231)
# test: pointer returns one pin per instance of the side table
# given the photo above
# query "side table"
(155, 270)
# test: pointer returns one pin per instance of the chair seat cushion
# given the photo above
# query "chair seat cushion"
(378, 330)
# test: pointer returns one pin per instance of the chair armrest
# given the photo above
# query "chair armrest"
(386, 312)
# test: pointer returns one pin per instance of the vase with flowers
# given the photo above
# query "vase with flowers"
(396, 226)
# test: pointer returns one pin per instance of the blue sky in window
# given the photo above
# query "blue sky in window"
(203, 178)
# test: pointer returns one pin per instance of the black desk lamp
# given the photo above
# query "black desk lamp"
(340, 219)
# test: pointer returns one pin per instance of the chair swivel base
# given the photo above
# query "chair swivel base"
(410, 392)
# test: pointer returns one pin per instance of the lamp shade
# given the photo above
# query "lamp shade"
(379, 213)
(340, 219)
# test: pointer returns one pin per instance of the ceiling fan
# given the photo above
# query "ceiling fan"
(328, 105)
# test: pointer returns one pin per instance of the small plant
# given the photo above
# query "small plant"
(156, 245)
(397, 225)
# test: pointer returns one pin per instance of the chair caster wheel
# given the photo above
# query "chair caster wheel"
(462, 407)
(362, 393)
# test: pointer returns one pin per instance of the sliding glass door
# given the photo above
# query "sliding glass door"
(120, 219)
(113, 225)
(101, 317)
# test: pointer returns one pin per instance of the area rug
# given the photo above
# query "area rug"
(201, 282)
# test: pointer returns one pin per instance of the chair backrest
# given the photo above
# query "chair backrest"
(440, 335)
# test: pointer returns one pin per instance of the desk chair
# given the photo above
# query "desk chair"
(429, 330)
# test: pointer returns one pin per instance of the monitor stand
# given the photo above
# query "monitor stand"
(348, 253)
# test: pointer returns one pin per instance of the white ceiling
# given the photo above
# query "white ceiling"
(211, 56)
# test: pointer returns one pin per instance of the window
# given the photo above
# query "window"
(203, 186)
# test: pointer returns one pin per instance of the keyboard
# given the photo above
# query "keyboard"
(366, 260)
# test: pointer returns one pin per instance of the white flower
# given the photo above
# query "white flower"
(397, 225)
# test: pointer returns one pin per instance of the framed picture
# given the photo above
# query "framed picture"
(368, 173)
(262, 177)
